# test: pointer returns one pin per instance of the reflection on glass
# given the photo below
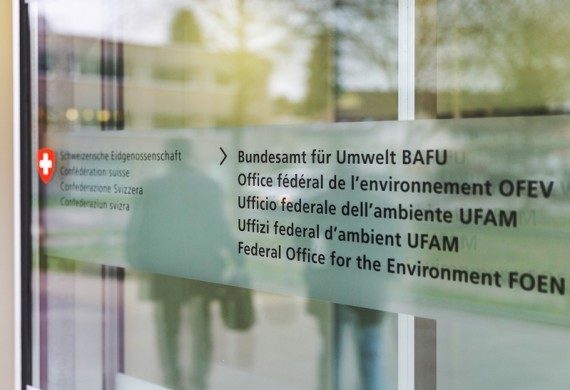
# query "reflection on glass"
(350, 328)
(366, 56)
(514, 354)
(217, 64)
(476, 58)
(109, 65)
(170, 296)
(188, 64)
(479, 58)
(173, 227)
(284, 339)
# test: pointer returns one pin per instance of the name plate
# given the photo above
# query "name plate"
(419, 217)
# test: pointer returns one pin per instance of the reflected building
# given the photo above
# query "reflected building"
(173, 85)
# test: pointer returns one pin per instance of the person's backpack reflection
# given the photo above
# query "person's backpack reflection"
(178, 228)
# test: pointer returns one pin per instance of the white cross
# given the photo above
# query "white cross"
(46, 164)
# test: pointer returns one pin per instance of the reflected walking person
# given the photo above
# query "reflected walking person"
(178, 228)
(340, 324)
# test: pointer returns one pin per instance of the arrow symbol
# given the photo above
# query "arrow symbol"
(225, 156)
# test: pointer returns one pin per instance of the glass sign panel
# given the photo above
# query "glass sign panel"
(417, 217)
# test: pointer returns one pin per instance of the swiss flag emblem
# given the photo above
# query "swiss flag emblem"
(46, 164)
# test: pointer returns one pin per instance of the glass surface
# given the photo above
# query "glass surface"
(249, 73)
(187, 344)
(113, 69)
(477, 58)
(505, 202)
(512, 354)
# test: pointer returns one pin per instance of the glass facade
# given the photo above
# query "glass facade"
(117, 303)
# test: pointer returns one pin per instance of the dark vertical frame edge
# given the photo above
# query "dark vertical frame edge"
(25, 195)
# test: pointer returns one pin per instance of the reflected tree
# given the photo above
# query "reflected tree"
(504, 57)
(184, 28)
(320, 75)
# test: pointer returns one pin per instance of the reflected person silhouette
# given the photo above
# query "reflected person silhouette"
(344, 323)
(178, 228)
